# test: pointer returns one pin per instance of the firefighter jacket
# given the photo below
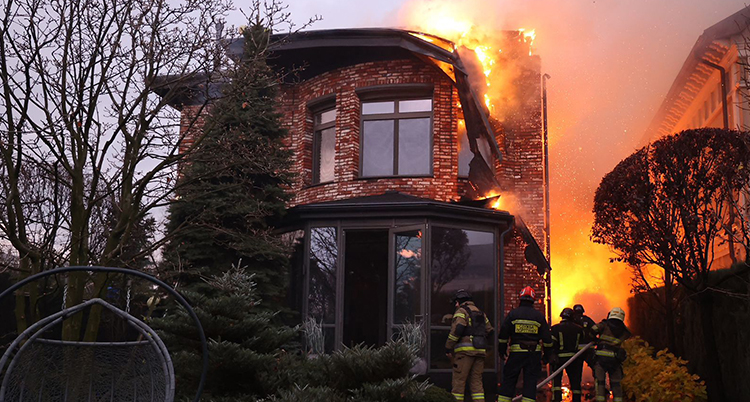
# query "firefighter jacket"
(461, 338)
(523, 328)
(566, 338)
(610, 334)
(587, 323)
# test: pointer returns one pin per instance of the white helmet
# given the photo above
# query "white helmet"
(617, 314)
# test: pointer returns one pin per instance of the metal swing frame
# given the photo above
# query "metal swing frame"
(33, 332)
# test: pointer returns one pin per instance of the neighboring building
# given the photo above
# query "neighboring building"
(394, 156)
(711, 91)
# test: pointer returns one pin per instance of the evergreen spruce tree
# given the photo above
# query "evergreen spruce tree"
(227, 261)
(247, 356)
(234, 186)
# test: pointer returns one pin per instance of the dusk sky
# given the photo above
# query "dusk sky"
(611, 64)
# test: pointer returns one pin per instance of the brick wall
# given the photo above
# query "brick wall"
(519, 137)
(521, 175)
(444, 184)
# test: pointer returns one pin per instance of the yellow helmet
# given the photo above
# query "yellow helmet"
(617, 314)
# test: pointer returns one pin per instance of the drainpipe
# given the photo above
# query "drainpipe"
(545, 77)
(501, 312)
(724, 106)
(723, 72)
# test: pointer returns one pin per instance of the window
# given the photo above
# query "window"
(321, 299)
(324, 145)
(461, 259)
(396, 138)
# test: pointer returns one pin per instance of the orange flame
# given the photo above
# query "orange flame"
(497, 203)
(581, 272)
(449, 20)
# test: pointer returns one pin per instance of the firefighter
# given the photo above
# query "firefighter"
(609, 355)
(466, 346)
(566, 337)
(521, 332)
(586, 322)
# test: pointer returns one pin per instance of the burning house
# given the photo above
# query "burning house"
(408, 187)
(711, 90)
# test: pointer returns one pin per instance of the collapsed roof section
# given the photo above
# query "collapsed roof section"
(306, 54)
(303, 55)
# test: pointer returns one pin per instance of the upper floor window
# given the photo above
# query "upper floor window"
(324, 145)
(396, 138)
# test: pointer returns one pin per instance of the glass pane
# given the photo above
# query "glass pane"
(419, 105)
(326, 158)
(464, 151)
(330, 338)
(323, 257)
(377, 148)
(438, 359)
(413, 147)
(461, 259)
(295, 292)
(378, 107)
(325, 117)
(407, 278)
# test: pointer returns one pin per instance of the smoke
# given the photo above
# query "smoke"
(611, 64)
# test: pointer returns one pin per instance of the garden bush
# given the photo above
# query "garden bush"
(660, 377)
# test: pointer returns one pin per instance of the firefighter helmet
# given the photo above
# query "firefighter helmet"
(578, 308)
(527, 294)
(567, 313)
(617, 314)
(461, 296)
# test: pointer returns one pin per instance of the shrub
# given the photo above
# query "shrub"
(437, 394)
(352, 367)
(660, 377)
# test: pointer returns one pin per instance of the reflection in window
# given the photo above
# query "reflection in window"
(295, 240)
(461, 259)
(324, 146)
(408, 266)
(322, 291)
(396, 138)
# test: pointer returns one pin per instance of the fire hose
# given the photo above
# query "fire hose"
(559, 370)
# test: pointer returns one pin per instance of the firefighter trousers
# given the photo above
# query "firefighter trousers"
(468, 368)
(531, 365)
(615, 376)
(575, 372)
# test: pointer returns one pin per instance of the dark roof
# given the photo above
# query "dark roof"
(323, 50)
(394, 204)
(309, 53)
(710, 46)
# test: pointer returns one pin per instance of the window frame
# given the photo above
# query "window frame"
(318, 109)
(396, 94)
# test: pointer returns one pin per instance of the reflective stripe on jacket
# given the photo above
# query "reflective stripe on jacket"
(566, 337)
(458, 342)
(523, 328)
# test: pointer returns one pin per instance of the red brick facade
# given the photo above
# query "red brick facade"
(444, 185)
(519, 138)
(521, 175)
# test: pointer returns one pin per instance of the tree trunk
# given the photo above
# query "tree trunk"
(78, 256)
(712, 369)
(669, 308)
(95, 314)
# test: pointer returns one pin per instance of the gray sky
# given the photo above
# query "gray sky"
(611, 64)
